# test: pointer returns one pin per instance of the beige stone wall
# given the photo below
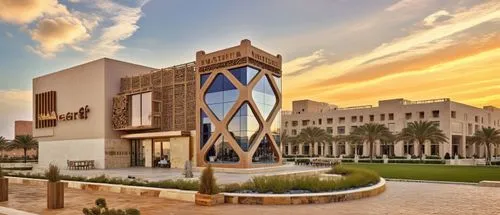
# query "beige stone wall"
(117, 153)
(179, 151)
(23, 128)
(398, 107)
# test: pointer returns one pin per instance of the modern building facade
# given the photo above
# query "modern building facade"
(238, 107)
(121, 114)
(458, 122)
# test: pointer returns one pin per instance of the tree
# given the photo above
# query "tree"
(421, 131)
(313, 135)
(350, 139)
(26, 142)
(285, 140)
(487, 137)
(371, 133)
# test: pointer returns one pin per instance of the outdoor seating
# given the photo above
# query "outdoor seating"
(81, 164)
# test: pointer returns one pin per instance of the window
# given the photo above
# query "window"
(408, 116)
(329, 130)
(435, 113)
(372, 118)
(319, 121)
(264, 96)
(360, 118)
(220, 97)
(286, 124)
(453, 114)
(421, 114)
(476, 128)
(294, 132)
(341, 130)
(329, 121)
(353, 128)
(435, 149)
(391, 116)
(482, 120)
(244, 74)
(476, 119)
(207, 128)
(244, 126)
(305, 122)
(469, 129)
(295, 123)
(354, 119)
(341, 120)
(382, 117)
(314, 122)
(141, 112)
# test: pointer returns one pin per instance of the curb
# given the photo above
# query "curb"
(431, 182)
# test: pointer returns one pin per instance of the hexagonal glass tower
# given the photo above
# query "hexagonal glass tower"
(238, 107)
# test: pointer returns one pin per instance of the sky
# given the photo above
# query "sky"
(344, 52)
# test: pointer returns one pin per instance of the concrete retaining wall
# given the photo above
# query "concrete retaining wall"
(182, 195)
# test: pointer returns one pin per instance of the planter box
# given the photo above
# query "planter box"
(208, 200)
(55, 195)
(4, 189)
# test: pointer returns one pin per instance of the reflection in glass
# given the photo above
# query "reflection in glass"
(221, 95)
(136, 110)
(207, 128)
(278, 82)
(264, 96)
(146, 108)
(244, 126)
(244, 74)
(276, 128)
(221, 152)
(203, 79)
(265, 153)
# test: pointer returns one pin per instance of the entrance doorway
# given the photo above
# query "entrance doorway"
(137, 157)
(161, 150)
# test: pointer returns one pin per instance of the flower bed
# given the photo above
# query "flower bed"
(293, 184)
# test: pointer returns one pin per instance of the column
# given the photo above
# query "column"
(311, 149)
(289, 149)
(315, 146)
(416, 148)
(328, 149)
(427, 148)
(366, 149)
(334, 149)
(462, 147)
(348, 150)
(301, 149)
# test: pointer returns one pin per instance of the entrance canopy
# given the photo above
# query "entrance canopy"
(161, 134)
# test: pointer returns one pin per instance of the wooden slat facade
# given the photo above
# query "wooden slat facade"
(45, 103)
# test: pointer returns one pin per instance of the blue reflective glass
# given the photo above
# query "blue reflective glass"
(264, 96)
(278, 82)
(203, 79)
(265, 152)
(207, 128)
(221, 152)
(220, 96)
(244, 126)
(244, 74)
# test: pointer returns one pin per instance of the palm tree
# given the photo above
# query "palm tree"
(4, 145)
(25, 142)
(371, 133)
(351, 139)
(313, 135)
(487, 136)
(421, 131)
(284, 139)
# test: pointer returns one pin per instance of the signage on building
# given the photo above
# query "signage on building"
(81, 114)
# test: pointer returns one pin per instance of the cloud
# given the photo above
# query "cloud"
(124, 24)
(436, 17)
(54, 33)
(301, 64)
(406, 4)
(26, 11)
(14, 105)
(9, 35)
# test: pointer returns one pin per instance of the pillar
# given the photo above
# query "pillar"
(461, 148)
(301, 149)
(334, 149)
(427, 148)
(315, 148)
(289, 149)
(348, 150)
(328, 149)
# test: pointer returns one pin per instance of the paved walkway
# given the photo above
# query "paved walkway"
(400, 198)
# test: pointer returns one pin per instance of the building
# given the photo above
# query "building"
(458, 122)
(120, 114)
(23, 128)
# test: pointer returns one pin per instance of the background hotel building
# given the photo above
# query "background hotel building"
(458, 121)
(220, 109)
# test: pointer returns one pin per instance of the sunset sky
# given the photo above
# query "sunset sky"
(345, 52)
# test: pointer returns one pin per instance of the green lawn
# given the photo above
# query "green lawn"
(433, 172)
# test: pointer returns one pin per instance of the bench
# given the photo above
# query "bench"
(80, 164)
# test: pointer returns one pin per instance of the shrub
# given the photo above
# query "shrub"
(208, 183)
(101, 208)
(52, 174)
(1, 172)
(447, 156)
